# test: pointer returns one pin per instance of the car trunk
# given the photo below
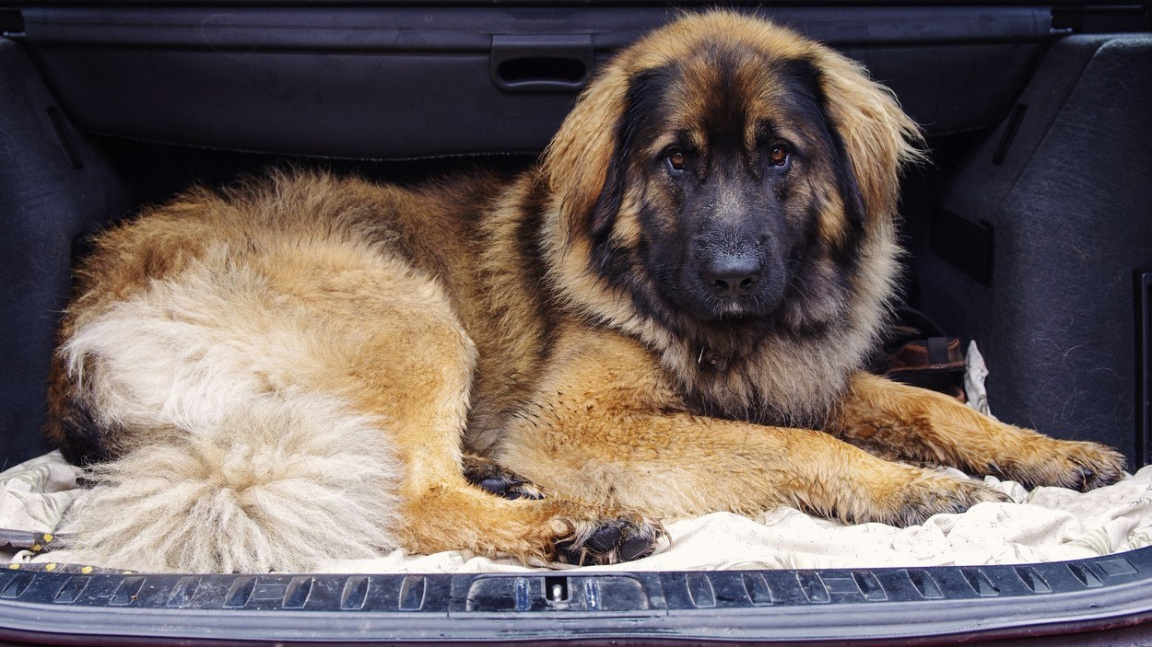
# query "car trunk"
(1029, 232)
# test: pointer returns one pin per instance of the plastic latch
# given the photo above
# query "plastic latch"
(534, 63)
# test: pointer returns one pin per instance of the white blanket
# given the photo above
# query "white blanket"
(1046, 524)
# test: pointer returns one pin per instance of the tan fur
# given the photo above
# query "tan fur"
(900, 422)
(239, 358)
(282, 387)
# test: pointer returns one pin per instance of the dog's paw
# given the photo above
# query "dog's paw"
(491, 477)
(933, 494)
(609, 541)
(1078, 465)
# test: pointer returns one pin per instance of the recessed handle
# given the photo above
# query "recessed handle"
(534, 63)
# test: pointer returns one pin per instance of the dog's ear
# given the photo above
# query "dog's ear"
(584, 165)
(877, 137)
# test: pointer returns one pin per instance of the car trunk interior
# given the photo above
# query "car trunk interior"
(1029, 232)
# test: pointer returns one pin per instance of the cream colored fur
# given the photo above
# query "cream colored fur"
(242, 470)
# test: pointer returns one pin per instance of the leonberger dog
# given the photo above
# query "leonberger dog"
(667, 316)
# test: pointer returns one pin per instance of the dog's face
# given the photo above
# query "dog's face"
(726, 175)
(737, 196)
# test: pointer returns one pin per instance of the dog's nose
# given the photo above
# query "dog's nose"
(733, 275)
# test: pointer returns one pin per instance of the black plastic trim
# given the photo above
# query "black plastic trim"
(533, 63)
(1011, 127)
(1104, 18)
(470, 29)
(412, 82)
(11, 23)
(896, 605)
(1143, 309)
(548, 3)
(964, 244)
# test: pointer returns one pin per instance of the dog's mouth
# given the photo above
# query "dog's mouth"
(737, 312)
(706, 307)
(741, 311)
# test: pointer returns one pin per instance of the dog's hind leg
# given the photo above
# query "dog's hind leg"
(417, 374)
(398, 353)
(273, 409)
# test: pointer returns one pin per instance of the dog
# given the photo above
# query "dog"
(668, 315)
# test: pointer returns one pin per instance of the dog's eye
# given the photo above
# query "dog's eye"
(779, 154)
(677, 159)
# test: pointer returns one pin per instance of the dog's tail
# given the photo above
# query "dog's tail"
(273, 483)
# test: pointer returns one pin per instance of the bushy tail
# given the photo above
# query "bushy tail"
(275, 484)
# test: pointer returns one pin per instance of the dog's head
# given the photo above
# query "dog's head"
(725, 172)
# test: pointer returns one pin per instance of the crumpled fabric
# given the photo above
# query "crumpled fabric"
(1045, 524)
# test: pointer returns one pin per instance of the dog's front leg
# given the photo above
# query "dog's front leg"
(607, 427)
(903, 422)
